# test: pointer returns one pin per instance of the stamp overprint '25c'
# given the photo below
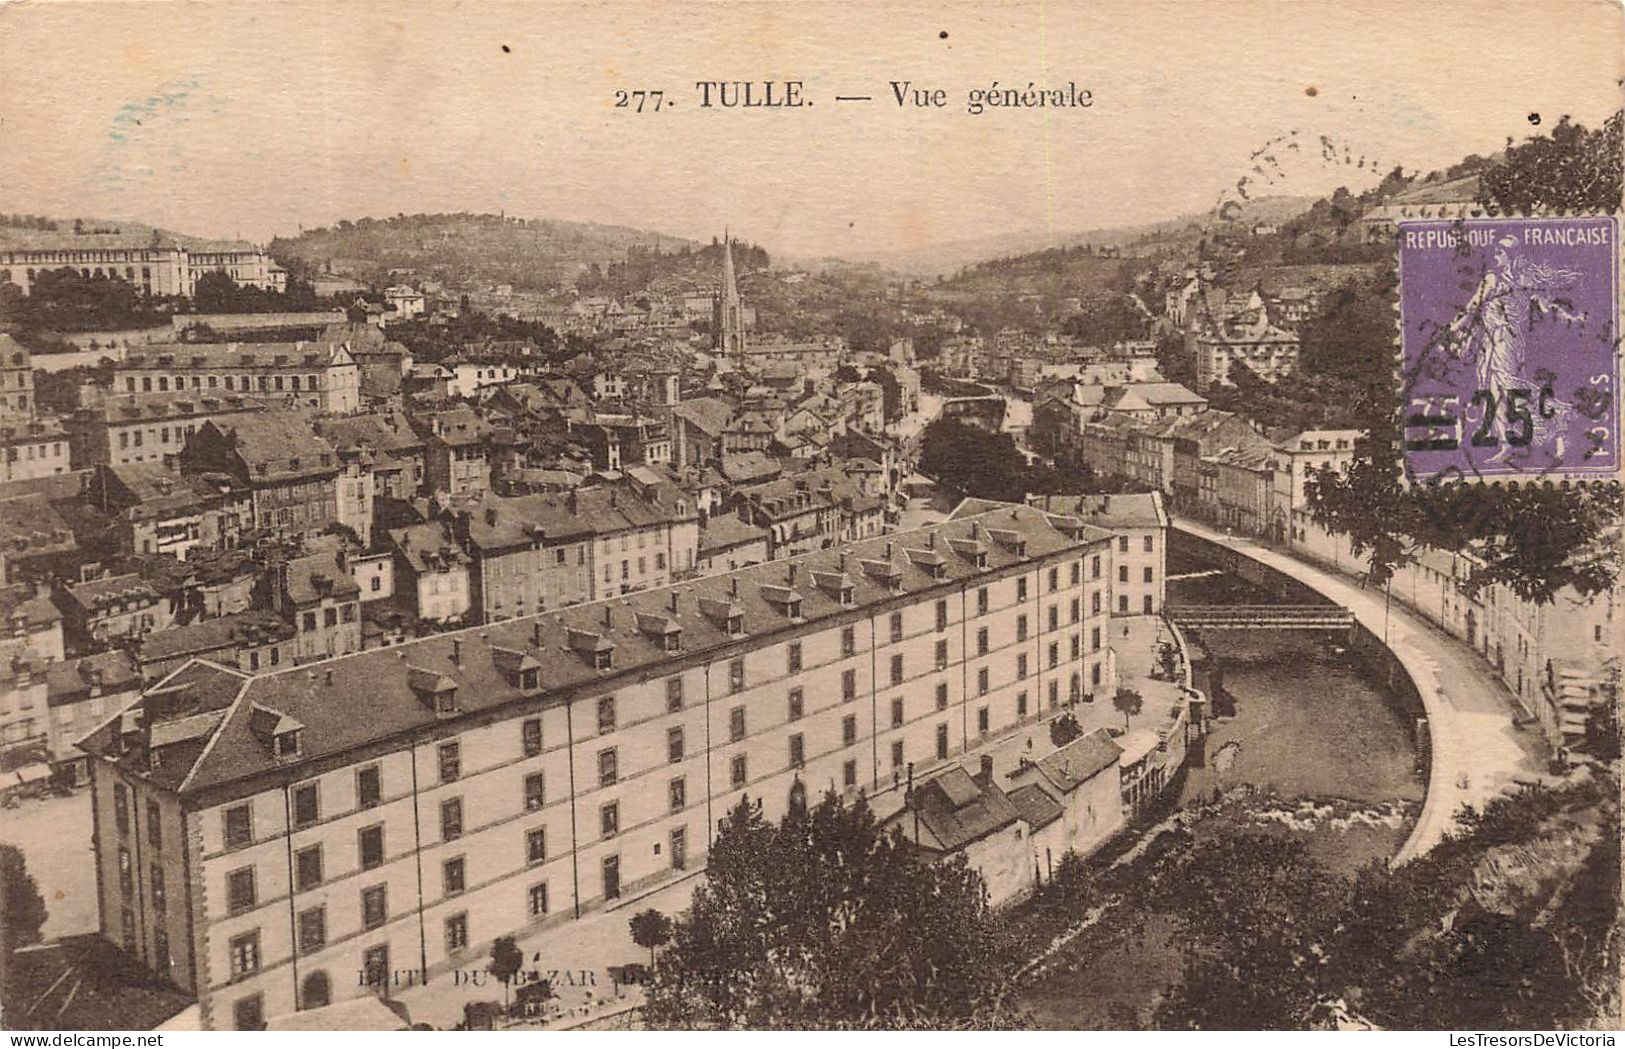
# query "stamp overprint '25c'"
(1509, 343)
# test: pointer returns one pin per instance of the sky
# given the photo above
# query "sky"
(252, 120)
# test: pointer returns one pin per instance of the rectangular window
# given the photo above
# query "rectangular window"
(451, 819)
(793, 657)
(1021, 704)
(240, 891)
(897, 754)
(1021, 627)
(1021, 665)
(897, 669)
(942, 615)
(849, 774)
(536, 845)
(609, 819)
(982, 720)
(160, 902)
(849, 730)
(1147, 544)
(677, 794)
(374, 906)
(849, 685)
(736, 724)
(312, 930)
(245, 956)
(942, 655)
(1054, 579)
(798, 704)
(736, 675)
(674, 694)
(451, 762)
(155, 825)
(368, 787)
(306, 805)
(1077, 573)
(248, 1014)
(849, 641)
(1076, 646)
(535, 792)
(736, 771)
(981, 682)
(1021, 589)
(608, 767)
(239, 826)
(897, 712)
(896, 627)
(1094, 567)
(1122, 544)
(371, 846)
(308, 867)
(981, 600)
(536, 900)
(454, 876)
(530, 736)
(798, 751)
(1094, 639)
(1122, 573)
(1147, 575)
(674, 745)
(457, 932)
(1054, 617)
(981, 641)
(1054, 654)
(1094, 603)
(606, 715)
(1074, 610)
(942, 695)
(942, 742)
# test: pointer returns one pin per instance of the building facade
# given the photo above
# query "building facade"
(262, 840)
(322, 377)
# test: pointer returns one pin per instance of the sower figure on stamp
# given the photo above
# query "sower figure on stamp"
(1494, 326)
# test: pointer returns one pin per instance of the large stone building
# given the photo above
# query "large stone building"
(147, 428)
(262, 840)
(315, 376)
(152, 262)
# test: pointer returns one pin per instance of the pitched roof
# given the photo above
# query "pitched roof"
(959, 809)
(366, 698)
(710, 415)
(1069, 767)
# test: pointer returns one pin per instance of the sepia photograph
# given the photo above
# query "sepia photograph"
(750, 515)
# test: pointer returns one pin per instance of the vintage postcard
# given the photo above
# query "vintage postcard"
(758, 515)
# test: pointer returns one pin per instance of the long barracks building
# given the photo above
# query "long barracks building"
(263, 841)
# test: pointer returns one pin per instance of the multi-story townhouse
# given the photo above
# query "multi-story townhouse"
(33, 448)
(457, 454)
(141, 428)
(157, 511)
(290, 474)
(309, 376)
(16, 379)
(262, 840)
(433, 571)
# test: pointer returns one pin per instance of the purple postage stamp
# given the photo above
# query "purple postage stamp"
(1509, 344)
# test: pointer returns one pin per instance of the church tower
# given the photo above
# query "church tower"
(727, 316)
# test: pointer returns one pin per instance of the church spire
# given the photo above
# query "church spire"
(727, 315)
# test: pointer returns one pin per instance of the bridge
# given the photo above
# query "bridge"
(1262, 617)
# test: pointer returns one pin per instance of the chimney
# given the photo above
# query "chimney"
(457, 651)
(987, 766)
(674, 601)
(536, 634)
(931, 540)
(790, 574)
(733, 587)
(609, 617)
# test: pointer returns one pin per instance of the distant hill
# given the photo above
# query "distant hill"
(949, 256)
(530, 254)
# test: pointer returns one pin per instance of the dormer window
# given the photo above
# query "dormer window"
(847, 598)
(736, 624)
(602, 658)
(288, 744)
(528, 680)
(793, 607)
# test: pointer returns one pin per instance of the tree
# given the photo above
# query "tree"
(1167, 660)
(1064, 730)
(651, 929)
(972, 460)
(506, 961)
(1571, 168)
(22, 908)
(1536, 540)
(1128, 703)
(826, 920)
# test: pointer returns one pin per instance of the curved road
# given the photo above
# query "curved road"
(1478, 751)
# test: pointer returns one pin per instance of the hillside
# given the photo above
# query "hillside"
(470, 249)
